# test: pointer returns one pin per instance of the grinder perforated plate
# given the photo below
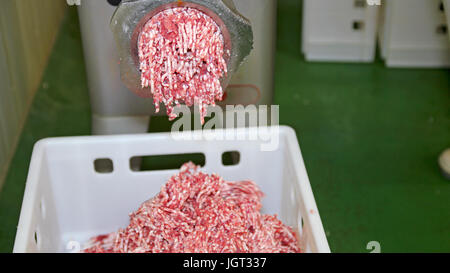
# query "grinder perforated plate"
(131, 16)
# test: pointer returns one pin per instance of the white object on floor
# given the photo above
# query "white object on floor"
(67, 202)
(413, 33)
(343, 30)
(444, 163)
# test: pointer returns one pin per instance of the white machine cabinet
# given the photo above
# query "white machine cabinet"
(414, 33)
(339, 30)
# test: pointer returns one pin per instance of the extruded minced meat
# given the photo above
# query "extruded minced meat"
(181, 54)
(200, 213)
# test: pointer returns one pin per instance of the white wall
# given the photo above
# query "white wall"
(27, 32)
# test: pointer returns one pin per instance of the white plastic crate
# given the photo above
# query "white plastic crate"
(339, 30)
(66, 200)
(447, 13)
(414, 33)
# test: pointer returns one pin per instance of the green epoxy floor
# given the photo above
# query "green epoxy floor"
(370, 137)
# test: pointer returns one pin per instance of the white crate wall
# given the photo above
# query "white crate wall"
(339, 30)
(414, 33)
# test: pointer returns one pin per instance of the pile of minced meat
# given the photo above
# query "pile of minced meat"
(200, 213)
(181, 55)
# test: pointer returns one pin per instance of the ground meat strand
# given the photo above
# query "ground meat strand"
(200, 213)
(181, 54)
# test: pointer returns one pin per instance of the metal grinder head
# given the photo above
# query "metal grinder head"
(132, 15)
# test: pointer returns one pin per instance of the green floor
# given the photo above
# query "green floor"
(370, 137)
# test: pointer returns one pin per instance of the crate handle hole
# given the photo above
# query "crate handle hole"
(103, 165)
(231, 158)
(165, 162)
(37, 239)
(300, 223)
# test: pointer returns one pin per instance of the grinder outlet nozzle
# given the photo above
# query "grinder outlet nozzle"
(131, 17)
